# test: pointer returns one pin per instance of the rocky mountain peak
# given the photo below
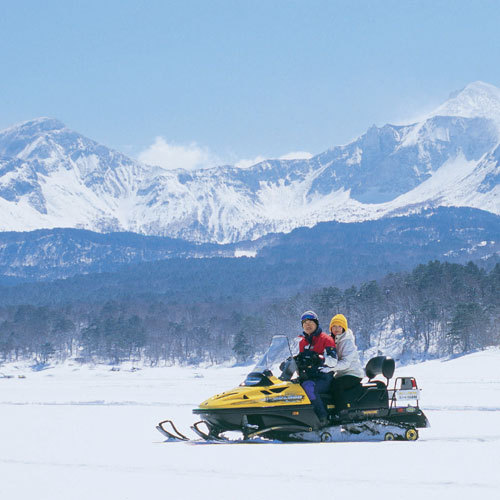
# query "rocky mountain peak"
(33, 128)
(476, 100)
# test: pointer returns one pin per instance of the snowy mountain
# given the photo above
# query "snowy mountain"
(52, 177)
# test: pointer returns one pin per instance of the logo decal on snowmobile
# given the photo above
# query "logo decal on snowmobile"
(280, 399)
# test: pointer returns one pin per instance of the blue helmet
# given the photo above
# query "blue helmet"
(309, 315)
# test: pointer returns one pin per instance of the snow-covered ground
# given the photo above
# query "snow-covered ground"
(72, 432)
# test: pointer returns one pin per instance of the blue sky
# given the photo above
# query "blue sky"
(224, 81)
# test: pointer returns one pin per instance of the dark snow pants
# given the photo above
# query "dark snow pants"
(341, 384)
(314, 388)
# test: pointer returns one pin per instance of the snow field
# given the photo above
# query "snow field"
(78, 433)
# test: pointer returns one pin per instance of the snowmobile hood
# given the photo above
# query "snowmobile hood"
(280, 393)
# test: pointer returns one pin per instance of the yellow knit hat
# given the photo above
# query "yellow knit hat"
(339, 319)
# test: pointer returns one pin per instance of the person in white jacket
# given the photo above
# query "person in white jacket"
(348, 371)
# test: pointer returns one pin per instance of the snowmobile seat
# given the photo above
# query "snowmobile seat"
(373, 395)
(363, 396)
(380, 365)
(378, 384)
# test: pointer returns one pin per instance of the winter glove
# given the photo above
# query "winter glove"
(287, 368)
(331, 357)
(308, 362)
(308, 358)
(331, 352)
(284, 364)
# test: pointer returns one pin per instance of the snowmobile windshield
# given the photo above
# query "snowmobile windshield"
(278, 351)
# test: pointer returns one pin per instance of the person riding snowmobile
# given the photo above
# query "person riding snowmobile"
(316, 359)
(348, 369)
(265, 406)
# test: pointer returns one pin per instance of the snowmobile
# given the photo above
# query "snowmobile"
(277, 408)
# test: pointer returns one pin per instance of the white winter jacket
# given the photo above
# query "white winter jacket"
(348, 358)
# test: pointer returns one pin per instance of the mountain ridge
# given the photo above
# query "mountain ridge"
(53, 177)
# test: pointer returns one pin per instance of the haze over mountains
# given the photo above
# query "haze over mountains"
(53, 177)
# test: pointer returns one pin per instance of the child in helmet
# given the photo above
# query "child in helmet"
(348, 370)
(317, 352)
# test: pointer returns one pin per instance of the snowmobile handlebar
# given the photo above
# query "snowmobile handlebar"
(308, 359)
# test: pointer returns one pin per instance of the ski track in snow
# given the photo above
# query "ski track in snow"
(79, 433)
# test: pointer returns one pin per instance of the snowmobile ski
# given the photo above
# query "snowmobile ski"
(172, 433)
(210, 435)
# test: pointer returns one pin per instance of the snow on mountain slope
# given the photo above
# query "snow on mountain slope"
(51, 177)
(478, 99)
(457, 182)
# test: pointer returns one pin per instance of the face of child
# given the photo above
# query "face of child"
(309, 326)
(336, 329)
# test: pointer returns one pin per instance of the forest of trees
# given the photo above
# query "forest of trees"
(438, 309)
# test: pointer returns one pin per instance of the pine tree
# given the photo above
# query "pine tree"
(242, 348)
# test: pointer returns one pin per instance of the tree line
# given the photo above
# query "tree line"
(435, 310)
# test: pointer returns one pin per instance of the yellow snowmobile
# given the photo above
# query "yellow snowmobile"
(277, 408)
